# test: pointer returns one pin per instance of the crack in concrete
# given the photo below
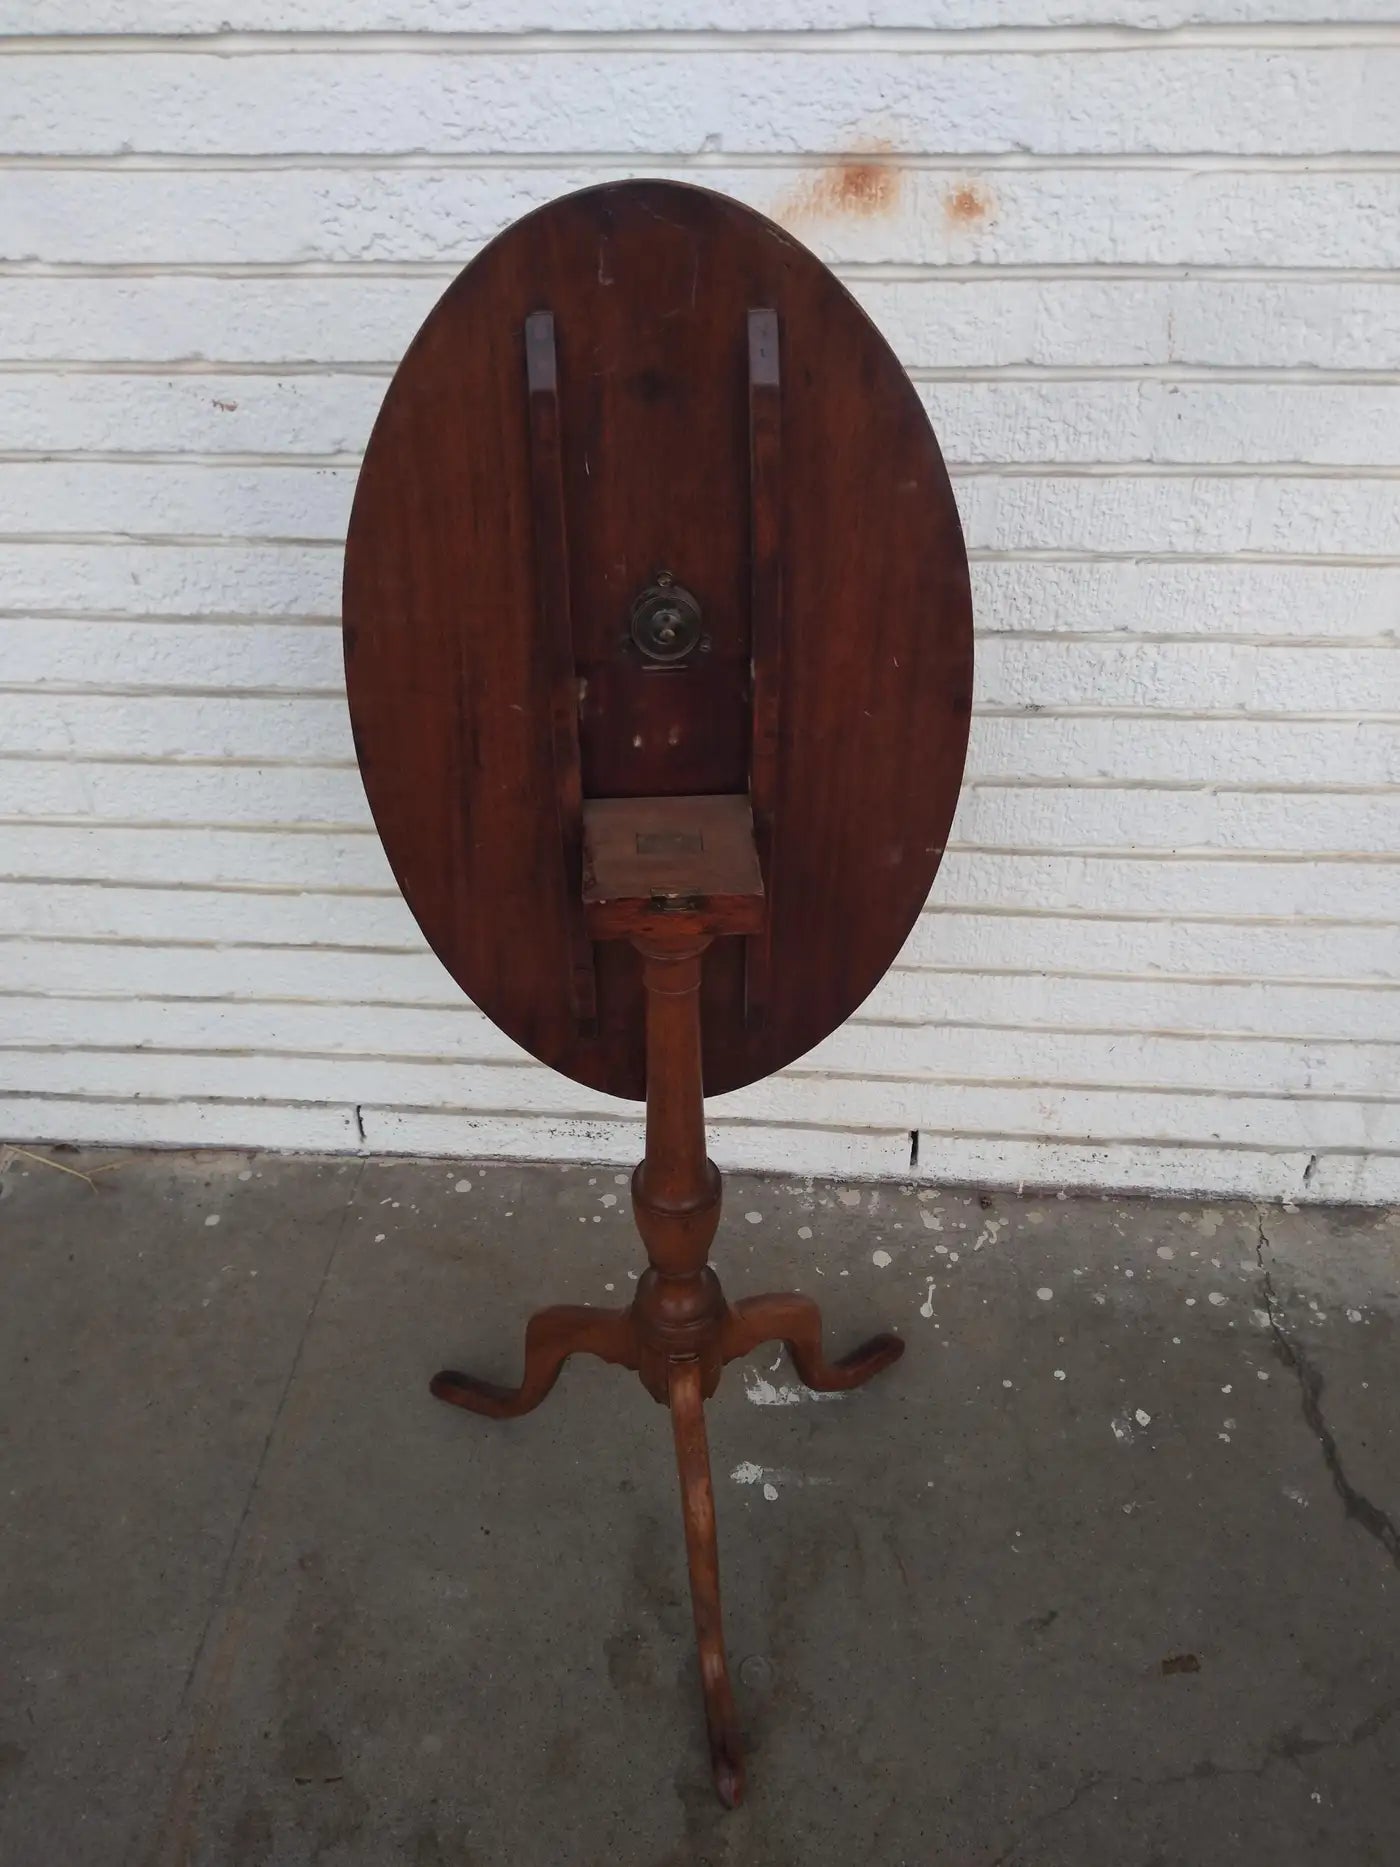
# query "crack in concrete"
(1082, 1789)
(1286, 1746)
(1374, 1521)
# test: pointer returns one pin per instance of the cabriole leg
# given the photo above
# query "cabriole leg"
(797, 1321)
(702, 1554)
(551, 1336)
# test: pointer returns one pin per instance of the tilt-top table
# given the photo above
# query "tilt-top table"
(659, 653)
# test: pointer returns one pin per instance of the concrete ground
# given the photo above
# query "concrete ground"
(1105, 1571)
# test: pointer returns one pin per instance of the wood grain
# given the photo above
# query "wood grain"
(556, 645)
(649, 285)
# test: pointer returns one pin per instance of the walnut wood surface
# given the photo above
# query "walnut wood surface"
(448, 660)
(551, 541)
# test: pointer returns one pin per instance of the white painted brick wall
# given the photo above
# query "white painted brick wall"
(1143, 260)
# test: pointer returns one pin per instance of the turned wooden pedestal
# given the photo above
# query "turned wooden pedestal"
(670, 875)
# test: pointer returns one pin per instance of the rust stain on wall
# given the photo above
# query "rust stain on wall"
(863, 185)
(969, 203)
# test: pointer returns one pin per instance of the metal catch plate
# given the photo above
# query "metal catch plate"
(665, 625)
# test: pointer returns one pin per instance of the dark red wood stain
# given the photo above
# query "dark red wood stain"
(650, 286)
(713, 826)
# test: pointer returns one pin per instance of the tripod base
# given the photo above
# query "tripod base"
(678, 1334)
(617, 1335)
(679, 1331)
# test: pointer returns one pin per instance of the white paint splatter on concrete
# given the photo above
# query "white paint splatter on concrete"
(1165, 1251)
(804, 1231)
(1045, 1293)
(213, 1219)
(1353, 1315)
(1143, 1419)
(770, 1477)
(926, 1307)
(754, 1218)
(1216, 1297)
(245, 1175)
(379, 1238)
(933, 1221)
(1059, 1374)
(1122, 1428)
(849, 1196)
(881, 1258)
(608, 1199)
(462, 1186)
(770, 1394)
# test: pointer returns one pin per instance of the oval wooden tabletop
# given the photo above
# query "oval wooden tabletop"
(650, 284)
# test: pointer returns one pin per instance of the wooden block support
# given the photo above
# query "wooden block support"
(648, 861)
